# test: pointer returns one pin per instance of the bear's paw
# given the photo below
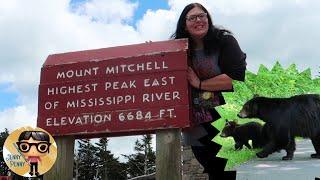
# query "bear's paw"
(286, 158)
(261, 154)
(315, 156)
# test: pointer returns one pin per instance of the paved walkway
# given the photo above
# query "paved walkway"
(302, 167)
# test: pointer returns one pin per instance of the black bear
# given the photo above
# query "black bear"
(286, 118)
(243, 133)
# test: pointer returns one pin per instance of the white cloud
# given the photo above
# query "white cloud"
(269, 30)
(226, 7)
(32, 30)
(5, 78)
(17, 117)
(247, 7)
(157, 25)
(108, 11)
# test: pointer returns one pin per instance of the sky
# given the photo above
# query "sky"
(267, 31)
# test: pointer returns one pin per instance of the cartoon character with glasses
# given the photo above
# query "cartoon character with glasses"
(34, 145)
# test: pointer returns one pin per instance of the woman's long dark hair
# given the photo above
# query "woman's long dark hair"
(211, 40)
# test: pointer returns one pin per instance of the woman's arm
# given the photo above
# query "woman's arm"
(217, 83)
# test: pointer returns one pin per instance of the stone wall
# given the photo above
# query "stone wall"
(191, 169)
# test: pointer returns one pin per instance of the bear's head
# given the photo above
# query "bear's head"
(250, 108)
(228, 128)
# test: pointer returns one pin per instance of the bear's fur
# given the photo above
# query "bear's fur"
(243, 133)
(286, 118)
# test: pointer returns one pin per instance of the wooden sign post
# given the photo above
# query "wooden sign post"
(168, 154)
(118, 91)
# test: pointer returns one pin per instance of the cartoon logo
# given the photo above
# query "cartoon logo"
(30, 152)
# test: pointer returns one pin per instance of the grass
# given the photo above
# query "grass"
(235, 157)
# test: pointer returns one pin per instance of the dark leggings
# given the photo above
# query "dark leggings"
(202, 154)
(206, 154)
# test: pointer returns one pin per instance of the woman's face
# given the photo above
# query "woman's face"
(197, 23)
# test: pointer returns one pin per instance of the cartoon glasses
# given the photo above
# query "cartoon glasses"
(42, 147)
(193, 18)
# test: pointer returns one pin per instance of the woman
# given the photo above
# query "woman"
(215, 60)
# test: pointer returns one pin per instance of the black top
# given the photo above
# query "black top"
(226, 59)
(231, 61)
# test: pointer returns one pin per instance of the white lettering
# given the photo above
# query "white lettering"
(156, 65)
(149, 67)
(63, 121)
(79, 120)
(164, 66)
(155, 83)
(145, 98)
(60, 75)
(120, 85)
(159, 82)
(139, 67)
(72, 89)
(166, 113)
(110, 70)
(78, 73)
(163, 96)
(50, 105)
(130, 67)
(176, 95)
(48, 122)
(95, 102)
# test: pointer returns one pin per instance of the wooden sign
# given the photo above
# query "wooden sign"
(126, 90)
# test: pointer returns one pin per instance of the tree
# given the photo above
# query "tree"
(3, 166)
(76, 161)
(109, 168)
(87, 160)
(143, 162)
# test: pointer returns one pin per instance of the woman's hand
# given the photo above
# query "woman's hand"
(193, 78)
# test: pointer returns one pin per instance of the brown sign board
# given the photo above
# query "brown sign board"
(125, 90)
